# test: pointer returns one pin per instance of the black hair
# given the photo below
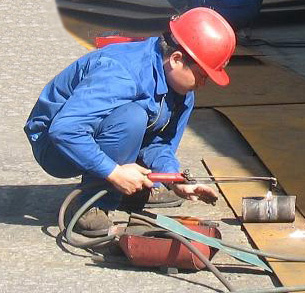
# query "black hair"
(169, 46)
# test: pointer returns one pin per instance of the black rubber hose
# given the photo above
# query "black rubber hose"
(203, 258)
(216, 272)
(64, 206)
(86, 244)
(71, 196)
(76, 193)
(292, 258)
(68, 232)
(210, 266)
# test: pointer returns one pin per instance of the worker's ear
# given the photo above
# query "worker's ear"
(176, 59)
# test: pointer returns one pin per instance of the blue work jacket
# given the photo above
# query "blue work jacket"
(73, 104)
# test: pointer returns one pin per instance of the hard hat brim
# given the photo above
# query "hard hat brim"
(218, 76)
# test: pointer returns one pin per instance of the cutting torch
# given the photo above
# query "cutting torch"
(186, 178)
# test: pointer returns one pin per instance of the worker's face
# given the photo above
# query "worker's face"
(181, 77)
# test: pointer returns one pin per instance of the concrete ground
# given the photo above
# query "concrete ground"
(34, 47)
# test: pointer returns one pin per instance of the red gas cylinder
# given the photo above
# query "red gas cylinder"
(101, 42)
(163, 252)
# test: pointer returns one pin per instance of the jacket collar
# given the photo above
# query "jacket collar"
(161, 85)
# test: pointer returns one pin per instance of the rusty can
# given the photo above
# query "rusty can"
(164, 252)
(277, 209)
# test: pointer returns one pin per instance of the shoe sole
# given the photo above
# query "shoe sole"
(173, 204)
(92, 234)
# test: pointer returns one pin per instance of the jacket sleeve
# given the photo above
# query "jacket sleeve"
(158, 153)
(72, 130)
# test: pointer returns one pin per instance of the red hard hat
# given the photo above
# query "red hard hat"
(208, 38)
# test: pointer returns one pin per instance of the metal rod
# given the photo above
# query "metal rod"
(233, 179)
(272, 180)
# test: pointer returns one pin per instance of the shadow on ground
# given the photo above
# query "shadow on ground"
(35, 205)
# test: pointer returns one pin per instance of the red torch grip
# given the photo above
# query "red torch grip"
(166, 177)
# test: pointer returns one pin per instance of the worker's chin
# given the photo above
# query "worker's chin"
(183, 91)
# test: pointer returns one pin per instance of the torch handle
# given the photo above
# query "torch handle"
(166, 177)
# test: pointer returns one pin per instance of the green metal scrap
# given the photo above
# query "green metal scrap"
(174, 226)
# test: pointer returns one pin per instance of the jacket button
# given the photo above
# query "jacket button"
(34, 137)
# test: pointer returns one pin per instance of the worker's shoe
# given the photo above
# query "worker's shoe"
(150, 198)
(93, 223)
(161, 197)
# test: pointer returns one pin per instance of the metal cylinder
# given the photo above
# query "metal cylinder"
(277, 209)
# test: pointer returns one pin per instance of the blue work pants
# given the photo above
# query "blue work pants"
(120, 136)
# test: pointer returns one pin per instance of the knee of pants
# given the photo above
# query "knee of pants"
(131, 120)
(122, 133)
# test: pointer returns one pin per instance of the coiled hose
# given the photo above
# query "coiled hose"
(67, 232)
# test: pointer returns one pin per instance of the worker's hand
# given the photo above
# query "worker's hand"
(195, 192)
(130, 178)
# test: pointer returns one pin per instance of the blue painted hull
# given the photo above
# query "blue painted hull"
(239, 13)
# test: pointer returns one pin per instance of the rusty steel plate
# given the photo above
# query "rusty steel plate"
(254, 81)
(284, 238)
(277, 135)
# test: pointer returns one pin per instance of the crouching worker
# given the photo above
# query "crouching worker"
(118, 113)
